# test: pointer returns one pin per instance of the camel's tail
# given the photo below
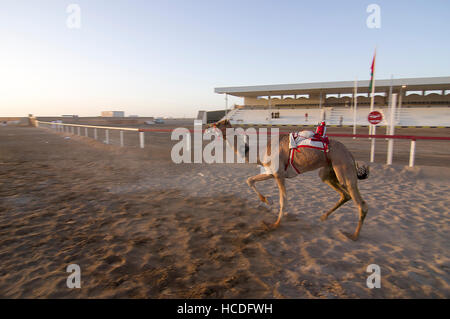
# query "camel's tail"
(362, 171)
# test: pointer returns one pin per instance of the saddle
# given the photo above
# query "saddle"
(306, 139)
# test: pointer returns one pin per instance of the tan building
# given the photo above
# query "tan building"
(113, 114)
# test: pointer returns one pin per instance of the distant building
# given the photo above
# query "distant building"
(133, 115)
(70, 115)
(113, 114)
(210, 116)
(202, 116)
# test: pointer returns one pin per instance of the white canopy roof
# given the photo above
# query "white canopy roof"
(412, 84)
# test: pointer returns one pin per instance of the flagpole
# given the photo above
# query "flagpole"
(389, 102)
(372, 128)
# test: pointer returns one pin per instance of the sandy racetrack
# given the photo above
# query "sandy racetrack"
(140, 226)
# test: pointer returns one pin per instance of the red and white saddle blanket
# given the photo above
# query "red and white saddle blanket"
(306, 139)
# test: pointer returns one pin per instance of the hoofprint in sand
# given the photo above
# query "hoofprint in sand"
(141, 226)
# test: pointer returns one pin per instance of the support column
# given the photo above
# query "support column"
(400, 100)
(320, 100)
(226, 104)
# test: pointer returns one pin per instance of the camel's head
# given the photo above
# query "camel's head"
(220, 125)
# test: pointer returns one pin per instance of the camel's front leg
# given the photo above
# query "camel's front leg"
(261, 177)
(282, 189)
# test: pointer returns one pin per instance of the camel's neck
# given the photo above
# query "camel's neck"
(233, 144)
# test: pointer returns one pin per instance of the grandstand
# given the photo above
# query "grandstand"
(421, 102)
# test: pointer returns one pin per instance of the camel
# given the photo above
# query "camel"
(337, 168)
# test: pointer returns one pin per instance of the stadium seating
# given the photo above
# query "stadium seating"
(406, 116)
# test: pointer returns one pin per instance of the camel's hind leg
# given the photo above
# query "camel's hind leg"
(261, 177)
(282, 188)
(329, 177)
(346, 175)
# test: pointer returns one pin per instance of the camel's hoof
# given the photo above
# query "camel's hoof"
(324, 217)
(351, 236)
(269, 201)
(268, 226)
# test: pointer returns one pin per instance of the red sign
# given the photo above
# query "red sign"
(375, 117)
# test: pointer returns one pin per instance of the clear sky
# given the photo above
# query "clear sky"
(164, 58)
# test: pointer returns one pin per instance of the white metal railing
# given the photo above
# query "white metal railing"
(70, 128)
(62, 128)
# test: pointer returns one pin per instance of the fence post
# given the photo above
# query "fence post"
(390, 151)
(79, 131)
(372, 149)
(121, 138)
(141, 139)
(86, 131)
(412, 153)
(95, 133)
(391, 129)
(72, 130)
(107, 136)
